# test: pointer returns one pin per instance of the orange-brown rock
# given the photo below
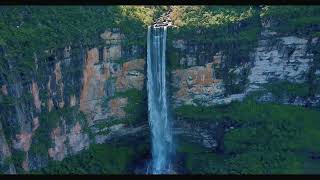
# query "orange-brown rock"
(35, 124)
(5, 152)
(57, 72)
(196, 83)
(77, 139)
(61, 103)
(22, 141)
(93, 81)
(131, 76)
(58, 75)
(59, 151)
(4, 89)
(49, 102)
(114, 51)
(25, 163)
(137, 64)
(95, 85)
(89, 75)
(116, 107)
(35, 94)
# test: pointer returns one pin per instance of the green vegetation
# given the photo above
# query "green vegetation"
(115, 158)
(136, 102)
(216, 24)
(200, 160)
(201, 113)
(233, 30)
(174, 57)
(281, 88)
(136, 108)
(29, 30)
(268, 138)
(292, 18)
(4, 165)
(17, 159)
(48, 121)
(209, 16)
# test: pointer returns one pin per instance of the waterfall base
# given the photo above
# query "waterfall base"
(143, 166)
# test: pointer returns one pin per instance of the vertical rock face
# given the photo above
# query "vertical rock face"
(288, 59)
(202, 84)
(5, 155)
(198, 132)
(50, 114)
(4, 89)
(73, 100)
(35, 94)
(49, 102)
(101, 80)
(77, 141)
(59, 83)
(91, 82)
(59, 150)
(131, 76)
(116, 107)
(277, 57)
(196, 83)
(23, 141)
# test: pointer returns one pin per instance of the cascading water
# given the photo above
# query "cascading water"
(162, 145)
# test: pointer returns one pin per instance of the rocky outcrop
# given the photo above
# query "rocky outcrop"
(76, 139)
(116, 107)
(119, 130)
(202, 133)
(35, 94)
(131, 76)
(200, 80)
(209, 134)
(196, 84)
(103, 80)
(93, 82)
(286, 59)
(70, 90)
(6, 165)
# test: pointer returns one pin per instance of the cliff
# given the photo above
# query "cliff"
(63, 98)
(236, 85)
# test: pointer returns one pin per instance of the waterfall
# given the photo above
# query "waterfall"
(162, 145)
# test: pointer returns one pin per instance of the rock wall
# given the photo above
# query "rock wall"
(55, 112)
(281, 68)
(277, 57)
